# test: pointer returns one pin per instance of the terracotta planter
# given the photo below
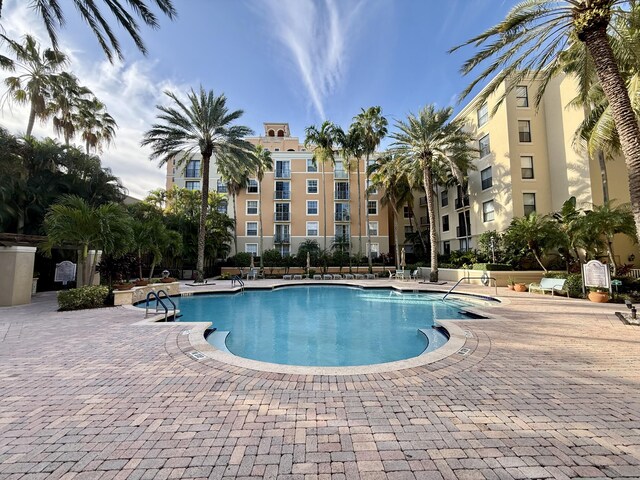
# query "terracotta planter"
(123, 286)
(599, 297)
(510, 287)
(520, 287)
(168, 280)
(142, 283)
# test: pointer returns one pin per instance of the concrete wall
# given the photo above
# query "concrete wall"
(502, 278)
(16, 275)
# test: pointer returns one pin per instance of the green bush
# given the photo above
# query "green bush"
(83, 297)
(495, 267)
(573, 284)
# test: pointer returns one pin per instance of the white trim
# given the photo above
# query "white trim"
(247, 207)
(377, 209)
(246, 229)
(317, 208)
(257, 248)
(377, 228)
(317, 229)
(18, 249)
(317, 186)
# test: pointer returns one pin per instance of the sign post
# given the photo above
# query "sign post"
(65, 272)
(596, 274)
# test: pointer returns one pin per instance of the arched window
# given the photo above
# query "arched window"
(271, 133)
(281, 133)
(291, 150)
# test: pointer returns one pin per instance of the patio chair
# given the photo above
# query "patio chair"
(337, 276)
(348, 276)
(297, 277)
(370, 276)
(253, 274)
(286, 277)
(327, 276)
(414, 274)
(358, 276)
(317, 277)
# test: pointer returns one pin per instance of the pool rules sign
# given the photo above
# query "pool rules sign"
(596, 274)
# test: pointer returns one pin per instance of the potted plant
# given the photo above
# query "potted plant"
(141, 282)
(520, 287)
(598, 294)
(167, 280)
(123, 285)
(510, 283)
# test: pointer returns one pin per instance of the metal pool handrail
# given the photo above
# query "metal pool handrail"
(484, 277)
(151, 295)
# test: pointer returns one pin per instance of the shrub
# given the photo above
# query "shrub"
(271, 259)
(241, 260)
(573, 284)
(495, 267)
(83, 297)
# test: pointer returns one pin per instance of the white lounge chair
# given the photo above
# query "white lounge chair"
(337, 276)
(317, 277)
(286, 277)
(348, 276)
(358, 276)
(327, 276)
(552, 285)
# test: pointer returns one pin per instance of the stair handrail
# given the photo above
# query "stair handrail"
(166, 295)
(484, 277)
(235, 279)
(150, 296)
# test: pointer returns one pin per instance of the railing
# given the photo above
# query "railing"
(342, 217)
(282, 239)
(159, 302)
(282, 173)
(339, 195)
(634, 273)
(282, 195)
(282, 217)
(236, 279)
(483, 278)
(462, 202)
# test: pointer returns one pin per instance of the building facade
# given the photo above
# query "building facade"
(294, 195)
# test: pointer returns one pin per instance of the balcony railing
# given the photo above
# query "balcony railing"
(461, 232)
(282, 195)
(341, 195)
(462, 202)
(342, 217)
(342, 174)
(282, 173)
(282, 238)
(282, 216)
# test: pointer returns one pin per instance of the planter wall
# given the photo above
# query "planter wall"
(301, 271)
(502, 277)
(136, 294)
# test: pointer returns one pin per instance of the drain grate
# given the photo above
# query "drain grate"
(198, 355)
(464, 351)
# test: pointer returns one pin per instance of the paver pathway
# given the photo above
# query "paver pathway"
(551, 391)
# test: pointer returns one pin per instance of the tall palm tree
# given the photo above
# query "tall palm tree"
(90, 11)
(66, 96)
(203, 125)
(537, 232)
(264, 163)
(36, 76)
(96, 126)
(323, 140)
(527, 42)
(373, 128)
(236, 177)
(430, 146)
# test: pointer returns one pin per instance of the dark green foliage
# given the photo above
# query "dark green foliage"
(83, 297)
(117, 268)
(271, 259)
(241, 259)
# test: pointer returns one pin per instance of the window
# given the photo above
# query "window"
(283, 169)
(445, 223)
(252, 186)
(373, 229)
(312, 207)
(339, 171)
(488, 211)
(372, 207)
(486, 178)
(374, 248)
(444, 198)
(406, 212)
(342, 212)
(193, 169)
(192, 185)
(312, 229)
(446, 247)
(522, 96)
(283, 190)
(371, 188)
(524, 131)
(283, 214)
(312, 186)
(222, 207)
(221, 187)
(526, 165)
(342, 232)
(252, 207)
(408, 229)
(311, 165)
(483, 114)
(464, 244)
(483, 146)
(251, 248)
(529, 203)
(341, 191)
(252, 229)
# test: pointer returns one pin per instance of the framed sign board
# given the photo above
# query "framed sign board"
(596, 274)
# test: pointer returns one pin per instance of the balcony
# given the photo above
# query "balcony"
(423, 201)
(341, 195)
(282, 216)
(342, 217)
(462, 202)
(282, 195)
(462, 232)
(282, 173)
(282, 238)
(341, 174)
(424, 221)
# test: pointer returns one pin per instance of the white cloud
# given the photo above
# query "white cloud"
(129, 90)
(315, 33)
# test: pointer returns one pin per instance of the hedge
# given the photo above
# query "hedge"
(496, 267)
(83, 297)
(573, 284)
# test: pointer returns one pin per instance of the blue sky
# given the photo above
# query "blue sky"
(296, 61)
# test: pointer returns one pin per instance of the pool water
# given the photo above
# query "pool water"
(323, 325)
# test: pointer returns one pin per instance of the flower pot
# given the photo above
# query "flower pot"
(142, 283)
(123, 286)
(168, 280)
(520, 287)
(510, 287)
(599, 297)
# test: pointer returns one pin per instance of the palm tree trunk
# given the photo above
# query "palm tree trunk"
(394, 212)
(139, 264)
(433, 236)
(612, 258)
(603, 175)
(153, 266)
(86, 146)
(92, 269)
(411, 216)
(359, 212)
(324, 207)
(260, 221)
(235, 222)
(624, 117)
(370, 261)
(537, 257)
(32, 120)
(202, 229)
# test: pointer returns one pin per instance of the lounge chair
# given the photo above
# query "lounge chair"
(370, 276)
(317, 277)
(297, 277)
(348, 276)
(358, 276)
(337, 276)
(552, 285)
(286, 277)
(253, 274)
(414, 275)
(327, 276)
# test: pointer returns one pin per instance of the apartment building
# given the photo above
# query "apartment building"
(293, 201)
(528, 162)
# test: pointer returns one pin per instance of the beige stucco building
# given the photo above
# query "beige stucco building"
(292, 199)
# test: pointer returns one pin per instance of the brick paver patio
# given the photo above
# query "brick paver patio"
(550, 391)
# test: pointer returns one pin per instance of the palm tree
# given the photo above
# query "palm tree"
(124, 12)
(527, 42)
(66, 96)
(373, 128)
(236, 177)
(538, 233)
(430, 146)
(571, 225)
(605, 221)
(36, 77)
(203, 125)
(323, 141)
(96, 126)
(264, 162)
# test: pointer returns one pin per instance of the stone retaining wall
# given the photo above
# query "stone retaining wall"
(137, 294)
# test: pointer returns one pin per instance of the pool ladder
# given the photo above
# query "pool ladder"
(483, 278)
(236, 279)
(159, 302)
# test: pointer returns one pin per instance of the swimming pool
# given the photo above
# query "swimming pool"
(323, 325)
